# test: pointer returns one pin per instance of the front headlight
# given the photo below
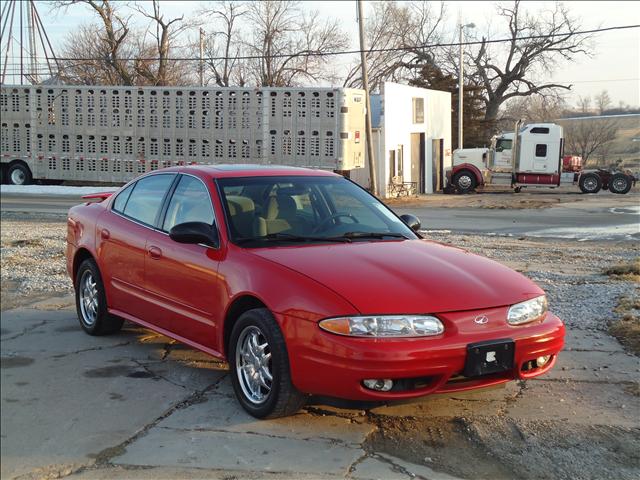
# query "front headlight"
(384, 326)
(527, 311)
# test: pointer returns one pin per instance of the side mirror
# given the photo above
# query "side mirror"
(195, 232)
(411, 221)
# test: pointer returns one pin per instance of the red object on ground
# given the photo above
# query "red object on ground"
(194, 293)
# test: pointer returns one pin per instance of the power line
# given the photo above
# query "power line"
(373, 50)
(600, 81)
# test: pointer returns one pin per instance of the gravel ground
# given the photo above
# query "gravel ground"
(33, 261)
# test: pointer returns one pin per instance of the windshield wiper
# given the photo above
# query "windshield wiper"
(376, 235)
(289, 237)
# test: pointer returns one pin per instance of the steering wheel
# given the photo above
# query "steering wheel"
(334, 217)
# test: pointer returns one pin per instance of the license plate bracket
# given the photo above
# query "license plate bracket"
(489, 357)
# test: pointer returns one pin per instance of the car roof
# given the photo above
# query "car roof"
(248, 170)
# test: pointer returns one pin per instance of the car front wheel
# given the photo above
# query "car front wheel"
(91, 302)
(259, 365)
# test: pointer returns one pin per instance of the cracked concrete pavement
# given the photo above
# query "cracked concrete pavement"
(139, 405)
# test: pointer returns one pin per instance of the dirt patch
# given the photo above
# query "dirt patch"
(627, 328)
(495, 447)
(436, 443)
(488, 200)
(625, 271)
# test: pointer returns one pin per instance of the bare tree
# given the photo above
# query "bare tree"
(584, 105)
(394, 36)
(105, 50)
(284, 41)
(165, 34)
(223, 47)
(511, 73)
(536, 108)
(585, 136)
(603, 101)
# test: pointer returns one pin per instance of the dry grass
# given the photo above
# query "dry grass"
(625, 271)
(627, 328)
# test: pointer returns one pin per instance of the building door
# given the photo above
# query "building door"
(437, 163)
(418, 161)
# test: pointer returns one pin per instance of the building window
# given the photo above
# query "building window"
(541, 150)
(418, 110)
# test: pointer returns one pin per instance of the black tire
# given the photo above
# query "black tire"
(465, 181)
(3, 174)
(19, 174)
(620, 183)
(101, 322)
(590, 183)
(282, 398)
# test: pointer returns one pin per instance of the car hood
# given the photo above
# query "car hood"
(410, 276)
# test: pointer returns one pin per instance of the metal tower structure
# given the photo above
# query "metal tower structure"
(25, 50)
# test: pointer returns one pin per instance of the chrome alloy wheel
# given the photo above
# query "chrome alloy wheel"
(253, 365)
(88, 298)
(464, 181)
(590, 184)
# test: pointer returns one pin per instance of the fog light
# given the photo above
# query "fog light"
(542, 361)
(380, 384)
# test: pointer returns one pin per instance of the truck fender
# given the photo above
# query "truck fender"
(471, 168)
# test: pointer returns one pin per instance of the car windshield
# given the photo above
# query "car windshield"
(297, 209)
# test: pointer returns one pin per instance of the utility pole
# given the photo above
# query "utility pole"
(201, 57)
(33, 47)
(461, 87)
(365, 83)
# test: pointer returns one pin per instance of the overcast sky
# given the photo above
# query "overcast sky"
(615, 65)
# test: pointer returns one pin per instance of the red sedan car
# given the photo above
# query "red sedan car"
(306, 284)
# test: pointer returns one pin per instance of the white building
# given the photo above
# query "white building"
(411, 139)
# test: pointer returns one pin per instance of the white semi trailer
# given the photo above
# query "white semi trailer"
(113, 133)
(532, 156)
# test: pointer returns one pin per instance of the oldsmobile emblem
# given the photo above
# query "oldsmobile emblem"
(481, 319)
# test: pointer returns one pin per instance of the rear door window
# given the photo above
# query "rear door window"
(146, 198)
(190, 203)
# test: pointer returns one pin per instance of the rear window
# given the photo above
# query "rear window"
(146, 198)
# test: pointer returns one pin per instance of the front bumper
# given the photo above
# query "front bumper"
(332, 365)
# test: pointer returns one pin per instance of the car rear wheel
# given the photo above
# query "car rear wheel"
(465, 181)
(590, 183)
(259, 365)
(620, 183)
(91, 302)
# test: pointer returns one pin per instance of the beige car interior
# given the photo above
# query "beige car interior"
(279, 215)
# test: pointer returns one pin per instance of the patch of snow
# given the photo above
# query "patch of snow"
(54, 190)
(617, 232)
(630, 210)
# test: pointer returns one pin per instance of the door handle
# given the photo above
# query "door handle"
(104, 234)
(155, 253)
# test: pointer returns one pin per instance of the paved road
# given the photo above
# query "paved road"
(605, 217)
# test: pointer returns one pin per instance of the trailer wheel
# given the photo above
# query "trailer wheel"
(590, 183)
(19, 174)
(619, 183)
(465, 181)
